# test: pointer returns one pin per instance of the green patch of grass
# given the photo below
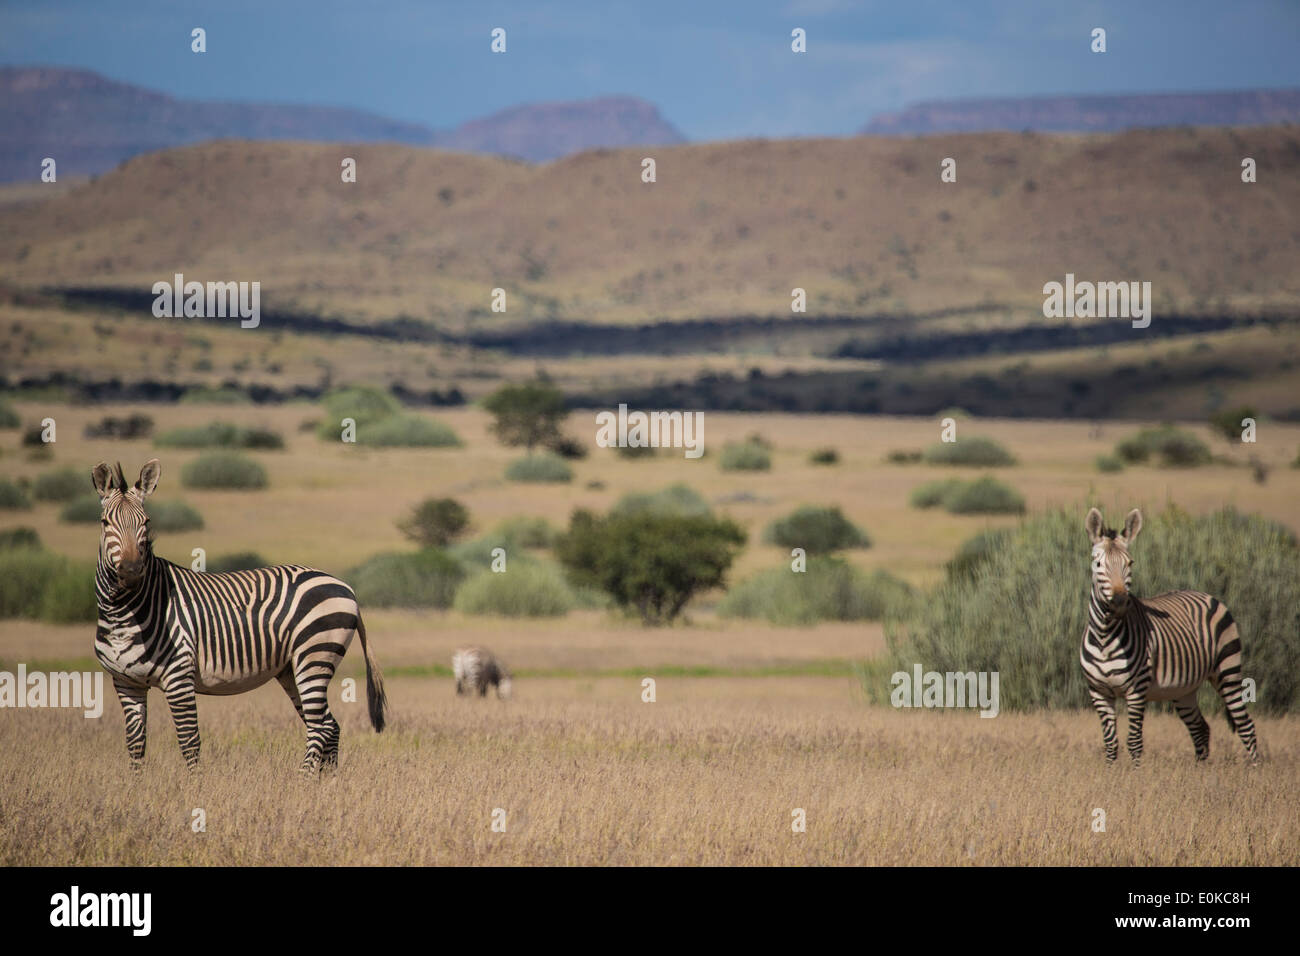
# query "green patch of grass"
(426, 578)
(12, 497)
(1165, 445)
(748, 455)
(62, 485)
(829, 590)
(524, 589)
(540, 468)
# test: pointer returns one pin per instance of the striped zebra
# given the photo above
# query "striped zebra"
(1158, 648)
(191, 632)
(477, 669)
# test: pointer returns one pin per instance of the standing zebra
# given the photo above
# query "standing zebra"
(476, 669)
(188, 632)
(1158, 648)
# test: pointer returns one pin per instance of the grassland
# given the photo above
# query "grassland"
(751, 720)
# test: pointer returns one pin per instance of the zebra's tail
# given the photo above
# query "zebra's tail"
(375, 695)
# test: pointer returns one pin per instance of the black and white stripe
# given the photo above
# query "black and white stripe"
(1158, 648)
(477, 669)
(190, 632)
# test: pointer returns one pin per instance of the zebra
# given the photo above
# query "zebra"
(187, 632)
(477, 668)
(1157, 648)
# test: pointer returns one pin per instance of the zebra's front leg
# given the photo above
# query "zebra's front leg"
(135, 709)
(1105, 707)
(1136, 705)
(178, 688)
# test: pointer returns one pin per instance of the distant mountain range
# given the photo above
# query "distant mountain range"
(90, 124)
(1085, 114)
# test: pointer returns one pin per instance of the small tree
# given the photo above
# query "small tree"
(653, 563)
(529, 414)
(1227, 421)
(435, 522)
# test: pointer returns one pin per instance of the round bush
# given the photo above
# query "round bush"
(678, 499)
(828, 590)
(524, 589)
(62, 485)
(221, 435)
(1024, 613)
(172, 516)
(406, 431)
(817, 531)
(237, 561)
(1167, 445)
(365, 406)
(435, 522)
(12, 497)
(545, 467)
(223, 470)
(984, 496)
(978, 452)
(8, 417)
(1109, 464)
(824, 456)
(933, 493)
(745, 456)
(84, 510)
(527, 532)
(975, 554)
(420, 579)
(12, 538)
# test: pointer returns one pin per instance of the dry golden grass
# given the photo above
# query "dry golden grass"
(588, 774)
(864, 224)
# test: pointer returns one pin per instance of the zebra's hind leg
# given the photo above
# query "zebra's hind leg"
(312, 682)
(1105, 707)
(1229, 689)
(1190, 712)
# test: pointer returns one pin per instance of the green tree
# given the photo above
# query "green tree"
(653, 563)
(435, 522)
(529, 414)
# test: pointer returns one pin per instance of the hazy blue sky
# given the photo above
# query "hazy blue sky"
(716, 69)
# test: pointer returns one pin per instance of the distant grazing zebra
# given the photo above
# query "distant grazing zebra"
(1158, 648)
(188, 632)
(476, 669)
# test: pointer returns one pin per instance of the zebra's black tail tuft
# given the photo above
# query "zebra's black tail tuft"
(375, 695)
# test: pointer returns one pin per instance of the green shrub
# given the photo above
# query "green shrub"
(36, 583)
(528, 414)
(406, 431)
(976, 452)
(651, 563)
(984, 496)
(1227, 421)
(637, 451)
(12, 538)
(221, 435)
(829, 590)
(62, 485)
(745, 456)
(524, 589)
(527, 532)
(514, 535)
(84, 510)
(435, 522)
(904, 456)
(678, 499)
(8, 417)
(933, 493)
(569, 448)
(201, 395)
(1109, 463)
(223, 469)
(365, 406)
(545, 467)
(172, 516)
(237, 561)
(975, 554)
(419, 579)
(12, 497)
(816, 530)
(127, 428)
(1023, 614)
(1169, 446)
(824, 456)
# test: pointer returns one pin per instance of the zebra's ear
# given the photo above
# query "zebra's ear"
(1132, 525)
(1093, 525)
(102, 476)
(149, 476)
